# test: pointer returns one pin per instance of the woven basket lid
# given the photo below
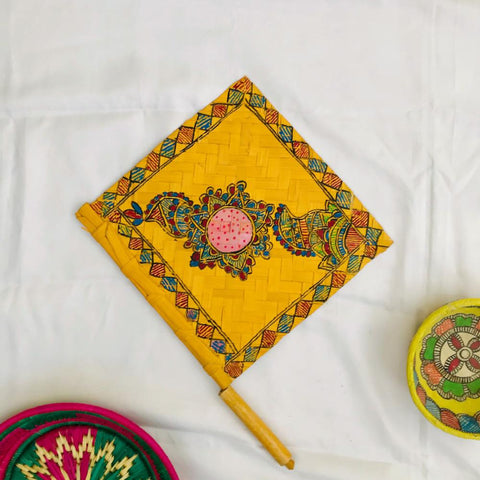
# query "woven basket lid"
(79, 442)
(444, 368)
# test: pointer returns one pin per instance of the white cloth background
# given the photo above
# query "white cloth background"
(386, 91)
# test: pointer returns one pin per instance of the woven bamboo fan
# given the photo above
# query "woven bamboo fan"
(235, 230)
(79, 442)
(444, 368)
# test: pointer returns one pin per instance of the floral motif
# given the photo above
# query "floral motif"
(325, 233)
(230, 230)
(464, 356)
(225, 229)
(451, 357)
(201, 240)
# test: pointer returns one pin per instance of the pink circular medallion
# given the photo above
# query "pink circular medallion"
(230, 230)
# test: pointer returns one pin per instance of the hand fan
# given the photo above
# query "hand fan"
(235, 231)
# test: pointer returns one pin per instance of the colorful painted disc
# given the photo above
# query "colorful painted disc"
(230, 230)
(444, 368)
(79, 442)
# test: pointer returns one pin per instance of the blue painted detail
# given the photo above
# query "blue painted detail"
(168, 148)
(234, 97)
(372, 235)
(137, 208)
(257, 101)
(146, 256)
(432, 407)
(317, 165)
(218, 346)
(354, 263)
(285, 324)
(204, 122)
(137, 174)
(321, 293)
(468, 424)
(169, 283)
(251, 354)
(344, 198)
(286, 133)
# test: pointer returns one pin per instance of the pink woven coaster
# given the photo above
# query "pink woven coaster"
(72, 441)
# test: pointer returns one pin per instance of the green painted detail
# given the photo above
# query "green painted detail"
(124, 230)
(138, 469)
(119, 448)
(461, 321)
(452, 387)
(429, 347)
(474, 386)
